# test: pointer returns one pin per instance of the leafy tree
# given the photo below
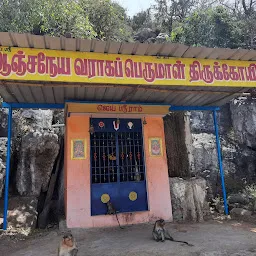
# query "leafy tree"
(167, 12)
(245, 12)
(142, 19)
(102, 19)
(65, 16)
(45, 17)
(229, 23)
(213, 27)
(109, 19)
(18, 15)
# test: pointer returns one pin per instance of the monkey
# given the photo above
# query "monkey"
(111, 210)
(68, 246)
(160, 233)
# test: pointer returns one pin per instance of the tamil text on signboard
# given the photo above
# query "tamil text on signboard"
(78, 67)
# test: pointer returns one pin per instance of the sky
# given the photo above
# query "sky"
(135, 6)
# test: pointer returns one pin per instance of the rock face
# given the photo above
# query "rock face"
(22, 212)
(202, 121)
(177, 158)
(35, 146)
(188, 199)
(237, 123)
(239, 212)
(38, 152)
(40, 119)
(148, 35)
(145, 34)
(243, 112)
(3, 124)
(3, 144)
(161, 38)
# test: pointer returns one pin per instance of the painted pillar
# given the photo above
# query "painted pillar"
(159, 197)
(220, 161)
(8, 165)
(77, 173)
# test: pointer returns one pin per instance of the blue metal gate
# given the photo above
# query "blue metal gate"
(117, 165)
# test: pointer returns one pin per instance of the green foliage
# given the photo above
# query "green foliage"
(142, 19)
(109, 19)
(18, 16)
(45, 17)
(169, 12)
(213, 27)
(65, 16)
(192, 22)
(102, 19)
(201, 23)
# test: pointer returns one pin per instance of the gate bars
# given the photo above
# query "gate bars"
(12, 106)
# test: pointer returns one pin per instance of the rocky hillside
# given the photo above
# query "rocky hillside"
(238, 137)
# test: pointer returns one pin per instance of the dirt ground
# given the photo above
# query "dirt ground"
(214, 238)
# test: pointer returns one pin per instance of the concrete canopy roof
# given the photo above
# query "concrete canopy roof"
(55, 92)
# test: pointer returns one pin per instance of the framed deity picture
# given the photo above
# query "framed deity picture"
(78, 149)
(155, 147)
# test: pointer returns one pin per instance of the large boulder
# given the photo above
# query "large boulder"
(188, 199)
(37, 156)
(38, 119)
(3, 123)
(202, 121)
(23, 120)
(144, 34)
(22, 212)
(239, 163)
(241, 214)
(244, 121)
(161, 38)
(58, 119)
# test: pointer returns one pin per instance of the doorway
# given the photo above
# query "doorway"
(117, 165)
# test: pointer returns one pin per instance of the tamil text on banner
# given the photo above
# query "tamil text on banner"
(85, 67)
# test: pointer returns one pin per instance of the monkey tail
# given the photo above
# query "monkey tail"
(178, 241)
(118, 221)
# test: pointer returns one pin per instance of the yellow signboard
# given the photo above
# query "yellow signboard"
(117, 108)
(78, 67)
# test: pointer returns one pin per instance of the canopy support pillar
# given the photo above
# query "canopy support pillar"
(8, 165)
(218, 147)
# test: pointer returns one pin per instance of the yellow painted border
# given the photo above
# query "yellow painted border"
(72, 149)
(161, 146)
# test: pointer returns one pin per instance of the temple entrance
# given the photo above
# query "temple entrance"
(117, 165)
